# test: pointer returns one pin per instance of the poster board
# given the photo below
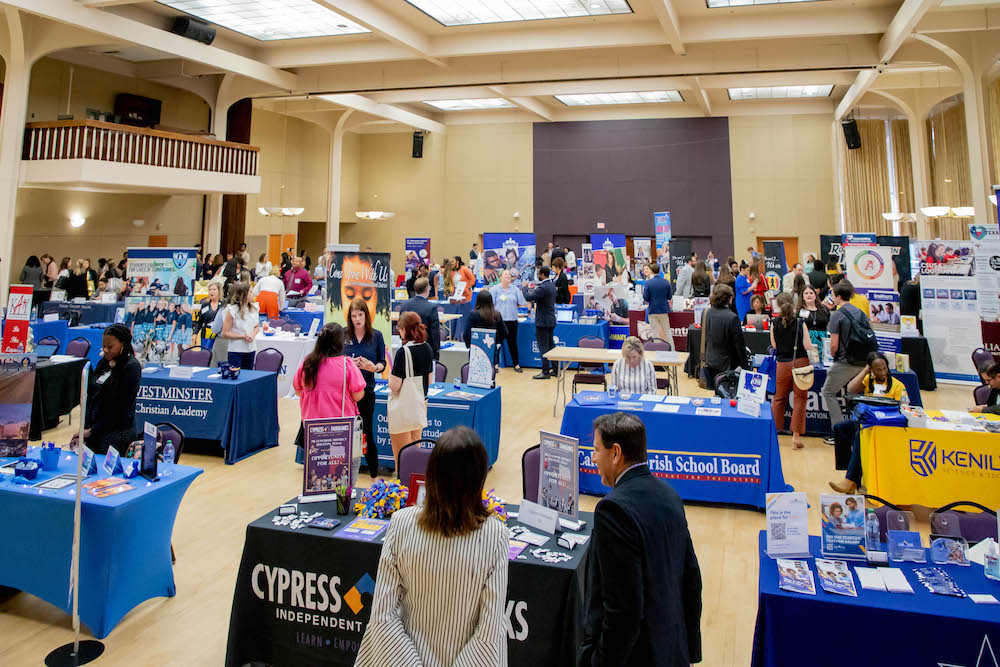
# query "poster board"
(775, 267)
(869, 267)
(159, 307)
(327, 457)
(899, 248)
(986, 240)
(17, 319)
(661, 228)
(17, 386)
(950, 306)
(511, 252)
(558, 470)
(642, 248)
(482, 352)
(418, 251)
(609, 256)
(359, 275)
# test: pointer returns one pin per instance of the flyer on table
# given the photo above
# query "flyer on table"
(557, 473)
(843, 518)
(327, 454)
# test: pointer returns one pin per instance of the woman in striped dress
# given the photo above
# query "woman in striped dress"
(442, 578)
(633, 374)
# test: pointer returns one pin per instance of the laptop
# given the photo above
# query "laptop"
(757, 321)
(45, 351)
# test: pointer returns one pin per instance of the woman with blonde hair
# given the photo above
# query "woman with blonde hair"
(633, 373)
(270, 293)
(240, 326)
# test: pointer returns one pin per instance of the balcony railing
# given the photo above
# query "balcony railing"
(111, 142)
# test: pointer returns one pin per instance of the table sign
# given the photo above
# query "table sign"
(111, 464)
(119, 315)
(843, 519)
(18, 315)
(558, 471)
(50, 317)
(365, 530)
(908, 326)
(89, 465)
(182, 372)
(130, 467)
(482, 351)
(417, 490)
(313, 327)
(109, 297)
(459, 294)
(150, 434)
(788, 525)
(57, 295)
(536, 516)
(327, 463)
(751, 393)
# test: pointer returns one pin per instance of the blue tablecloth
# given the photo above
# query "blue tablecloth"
(444, 412)
(124, 543)
(241, 414)
(58, 329)
(817, 413)
(94, 333)
(304, 318)
(566, 333)
(732, 458)
(91, 312)
(889, 628)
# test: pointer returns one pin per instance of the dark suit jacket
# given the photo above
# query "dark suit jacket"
(643, 577)
(544, 296)
(562, 289)
(428, 313)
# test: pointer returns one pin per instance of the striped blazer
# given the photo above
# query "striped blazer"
(439, 601)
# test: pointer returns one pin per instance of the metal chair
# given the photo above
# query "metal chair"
(658, 344)
(276, 323)
(981, 359)
(465, 373)
(590, 373)
(981, 394)
(973, 526)
(294, 327)
(531, 460)
(440, 372)
(195, 355)
(269, 360)
(413, 459)
(78, 347)
(49, 340)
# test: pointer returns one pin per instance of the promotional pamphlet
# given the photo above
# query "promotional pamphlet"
(482, 352)
(56, 483)
(418, 251)
(463, 395)
(327, 458)
(107, 486)
(835, 577)
(364, 530)
(787, 524)
(843, 519)
(795, 576)
(557, 473)
(515, 548)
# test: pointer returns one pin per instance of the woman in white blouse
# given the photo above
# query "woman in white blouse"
(441, 588)
(263, 267)
(633, 374)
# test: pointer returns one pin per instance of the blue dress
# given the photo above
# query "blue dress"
(743, 300)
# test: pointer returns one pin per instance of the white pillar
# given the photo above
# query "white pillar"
(212, 238)
(335, 172)
(14, 109)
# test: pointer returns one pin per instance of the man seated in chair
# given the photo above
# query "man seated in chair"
(992, 377)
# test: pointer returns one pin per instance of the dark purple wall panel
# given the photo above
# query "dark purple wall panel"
(621, 171)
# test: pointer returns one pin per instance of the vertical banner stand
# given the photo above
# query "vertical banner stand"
(79, 652)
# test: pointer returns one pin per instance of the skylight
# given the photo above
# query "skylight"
(715, 4)
(270, 19)
(468, 105)
(472, 12)
(779, 92)
(647, 97)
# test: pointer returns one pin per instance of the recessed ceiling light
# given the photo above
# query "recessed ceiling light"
(779, 92)
(716, 4)
(270, 19)
(645, 97)
(471, 12)
(469, 105)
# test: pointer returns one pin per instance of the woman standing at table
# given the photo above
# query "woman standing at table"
(366, 347)
(114, 384)
(759, 284)
(270, 294)
(75, 283)
(744, 290)
(725, 347)
(815, 314)
(507, 299)
(414, 359)
(633, 373)
(208, 309)
(240, 326)
(441, 588)
(790, 340)
(485, 316)
(32, 273)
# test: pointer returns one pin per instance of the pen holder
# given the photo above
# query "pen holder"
(26, 469)
(50, 458)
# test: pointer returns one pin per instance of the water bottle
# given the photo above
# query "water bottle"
(872, 540)
(612, 391)
(34, 313)
(168, 458)
(457, 383)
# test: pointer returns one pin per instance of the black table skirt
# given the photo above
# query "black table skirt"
(757, 341)
(57, 392)
(921, 362)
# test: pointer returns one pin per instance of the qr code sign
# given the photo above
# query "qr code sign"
(778, 531)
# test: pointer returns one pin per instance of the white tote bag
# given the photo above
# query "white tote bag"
(407, 410)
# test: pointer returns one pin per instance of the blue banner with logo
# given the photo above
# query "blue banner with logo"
(510, 252)
(832, 244)
(418, 251)
(661, 227)
(775, 266)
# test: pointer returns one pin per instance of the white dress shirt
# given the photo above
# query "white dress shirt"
(638, 380)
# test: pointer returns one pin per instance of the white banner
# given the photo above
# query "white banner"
(869, 267)
(950, 304)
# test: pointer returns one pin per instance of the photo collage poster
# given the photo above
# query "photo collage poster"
(604, 299)
(327, 455)
(17, 386)
(642, 248)
(609, 255)
(661, 227)
(418, 251)
(510, 252)
(557, 473)
(360, 275)
(884, 318)
(950, 306)
(159, 307)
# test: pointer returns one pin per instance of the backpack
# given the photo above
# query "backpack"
(861, 341)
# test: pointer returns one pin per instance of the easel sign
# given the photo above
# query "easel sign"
(327, 462)
(482, 352)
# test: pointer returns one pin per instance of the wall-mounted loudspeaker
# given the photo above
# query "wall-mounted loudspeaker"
(418, 144)
(851, 135)
(192, 29)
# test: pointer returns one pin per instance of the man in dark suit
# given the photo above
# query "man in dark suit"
(642, 575)
(428, 313)
(544, 297)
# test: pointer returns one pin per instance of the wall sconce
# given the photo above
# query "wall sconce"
(77, 220)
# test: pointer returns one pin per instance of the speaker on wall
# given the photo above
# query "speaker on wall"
(418, 144)
(851, 135)
(192, 29)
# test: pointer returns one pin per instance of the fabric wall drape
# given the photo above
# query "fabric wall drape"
(951, 180)
(904, 164)
(866, 181)
(993, 120)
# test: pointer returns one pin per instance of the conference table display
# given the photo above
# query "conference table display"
(913, 628)
(294, 348)
(304, 318)
(758, 341)
(241, 414)
(58, 329)
(93, 334)
(447, 406)
(707, 452)
(304, 597)
(90, 312)
(124, 539)
(57, 392)
(565, 333)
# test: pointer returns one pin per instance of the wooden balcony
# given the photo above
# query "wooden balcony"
(100, 156)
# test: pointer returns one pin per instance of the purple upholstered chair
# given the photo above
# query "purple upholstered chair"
(276, 323)
(981, 394)
(981, 359)
(49, 340)
(658, 344)
(413, 459)
(973, 526)
(195, 355)
(530, 462)
(440, 372)
(269, 360)
(591, 373)
(78, 347)
(465, 373)
(176, 437)
(294, 327)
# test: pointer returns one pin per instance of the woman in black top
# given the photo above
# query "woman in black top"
(722, 337)
(561, 281)
(366, 347)
(701, 283)
(207, 310)
(815, 314)
(76, 282)
(485, 316)
(413, 335)
(114, 384)
(817, 277)
(790, 341)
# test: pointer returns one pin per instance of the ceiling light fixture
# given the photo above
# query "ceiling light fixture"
(780, 92)
(462, 12)
(716, 4)
(268, 20)
(375, 215)
(77, 220)
(643, 97)
(470, 104)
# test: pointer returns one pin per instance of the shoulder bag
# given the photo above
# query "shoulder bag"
(407, 409)
(802, 377)
(357, 444)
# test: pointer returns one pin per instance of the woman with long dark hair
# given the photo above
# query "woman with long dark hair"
(366, 347)
(798, 287)
(485, 316)
(790, 340)
(701, 282)
(114, 385)
(327, 382)
(240, 326)
(32, 273)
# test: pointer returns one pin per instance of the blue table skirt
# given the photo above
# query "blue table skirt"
(900, 629)
(91, 312)
(817, 413)
(124, 543)
(443, 413)
(93, 333)
(58, 329)
(566, 333)
(457, 326)
(241, 414)
(732, 458)
(304, 318)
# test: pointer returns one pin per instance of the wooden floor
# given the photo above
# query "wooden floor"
(191, 628)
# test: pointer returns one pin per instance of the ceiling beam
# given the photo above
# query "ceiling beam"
(385, 25)
(667, 17)
(902, 26)
(387, 111)
(529, 104)
(861, 84)
(105, 23)
(700, 97)
(111, 3)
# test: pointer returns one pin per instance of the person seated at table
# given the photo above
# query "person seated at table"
(485, 316)
(633, 373)
(111, 393)
(270, 294)
(991, 376)
(240, 326)
(263, 267)
(873, 380)
(206, 312)
(758, 306)
(441, 589)
(722, 336)
(791, 343)
(413, 335)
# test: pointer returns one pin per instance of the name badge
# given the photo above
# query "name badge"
(804, 313)
(103, 378)
(879, 389)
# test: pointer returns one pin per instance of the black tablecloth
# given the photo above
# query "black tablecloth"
(921, 362)
(757, 341)
(544, 601)
(57, 391)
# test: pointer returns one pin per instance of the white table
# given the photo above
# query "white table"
(295, 350)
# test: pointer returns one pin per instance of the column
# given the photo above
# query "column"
(333, 188)
(14, 109)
